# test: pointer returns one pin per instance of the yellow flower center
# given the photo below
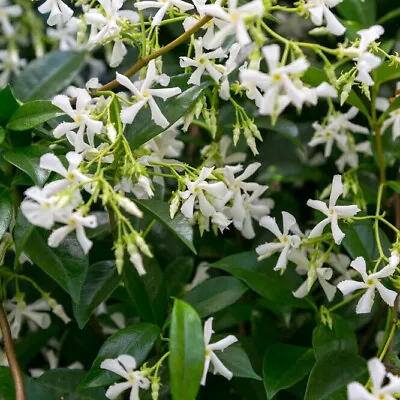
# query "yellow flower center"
(235, 16)
(277, 77)
(70, 176)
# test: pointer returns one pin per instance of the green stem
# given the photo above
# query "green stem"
(345, 301)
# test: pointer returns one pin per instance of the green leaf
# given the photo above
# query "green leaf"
(45, 77)
(187, 352)
(331, 374)
(179, 272)
(386, 72)
(394, 185)
(179, 226)
(147, 292)
(6, 209)
(8, 105)
(64, 383)
(136, 340)
(27, 159)
(261, 278)
(390, 15)
(283, 126)
(215, 294)
(236, 360)
(33, 114)
(101, 280)
(2, 135)
(360, 241)
(340, 338)
(66, 264)
(144, 129)
(363, 12)
(284, 365)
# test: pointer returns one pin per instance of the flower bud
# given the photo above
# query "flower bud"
(136, 259)
(174, 206)
(119, 257)
(144, 248)
(58, 309)
(129, 206)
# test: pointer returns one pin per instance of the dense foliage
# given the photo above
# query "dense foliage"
(199, 199)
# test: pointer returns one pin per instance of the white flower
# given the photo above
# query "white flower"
(221, 345)
(314, 271)
(145, 95)
(75, 222)
(195, 191)
(286, 242)
(341, 262)
(321, 8)
(202, 63)
(106, 25)
(235, 20)
(142, 188)
(164, 6)
(350, 153)
(279, 90)
(377, 372)
(72, 175)
(200, 276)
(43, 209)
(366, 61)
(19, 310)
(66, 34)
(81, 117)
(7, 11)
(125, 365)
(394, 259)
(327, 136)
(10, 63)
(332, 211)
(371, 283)
(394, 121)
(230, 66)
(60, 13)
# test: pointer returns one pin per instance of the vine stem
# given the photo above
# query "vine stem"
(143, 61)
(12, 358)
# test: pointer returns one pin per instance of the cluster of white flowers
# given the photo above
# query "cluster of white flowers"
(219, 197)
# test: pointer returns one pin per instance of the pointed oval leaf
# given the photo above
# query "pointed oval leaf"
(215, 294)
(332, 373)
(340, 337)
(27, 159)
(136, 340)
(47, 76)
(8, 105)
(187, 352)
(101, 280)
(143, 129)
(179, 226)
(6, 209)
(284, 365)
(33, 114)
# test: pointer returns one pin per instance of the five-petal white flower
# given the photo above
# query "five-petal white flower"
(332, 211)
(125, 366)
(286, 243)
(211, 358)
(379, 391)
(145, 95)
(371, 283)
(60, 13)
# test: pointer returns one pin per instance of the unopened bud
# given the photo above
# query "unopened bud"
(136, 259)
(119, 257)
(129, 206)
(144, 248)
(174, 206)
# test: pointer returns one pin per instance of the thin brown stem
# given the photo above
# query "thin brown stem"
(143, 61)
(12, 359)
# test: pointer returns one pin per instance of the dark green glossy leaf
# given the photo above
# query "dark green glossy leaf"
(340, 337)
(282, 126)
(179, 226)
(2, 135)
(6, 209)
(332, 373)
(8, 105)
(47, 76)
(261, 278)
(179, 273)
(236, 360)
(284, 365)
(27, 159)
(33, 114)
(101, 280)
(390, 15)
(187, 352)
(363, 12)
(215, 294)
(147, 292)
(143, 129)
(136, 340)
(386, 72)
(66, 264)
(360, 241)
